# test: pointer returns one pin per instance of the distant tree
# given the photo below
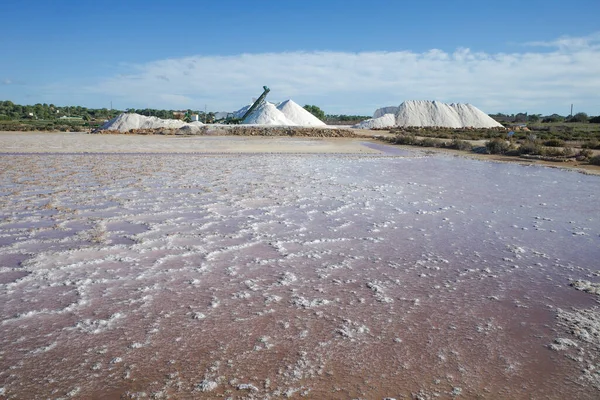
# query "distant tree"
(579, 117)
(316, 111)
(553, 118)
(595, 120)
(521, 117)
(534, 118)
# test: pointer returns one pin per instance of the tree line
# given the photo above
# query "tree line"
(10, 111)
(535, 118)
(334, 118)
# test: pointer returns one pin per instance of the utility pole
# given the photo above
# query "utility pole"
(205, 108)
(571, 109)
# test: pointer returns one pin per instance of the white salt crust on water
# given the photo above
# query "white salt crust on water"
(438, 114)
(295, 276)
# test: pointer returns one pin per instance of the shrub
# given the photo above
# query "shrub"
(584, 154)
(460, 145)
(405, 139)
(568, 151)
(595, 160)
(595, 120)
(497, 146)
(530, 147)
(552, 152)
(554, 143)
(591, 144)
(429, 142)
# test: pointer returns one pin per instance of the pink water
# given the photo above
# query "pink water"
(184, 276)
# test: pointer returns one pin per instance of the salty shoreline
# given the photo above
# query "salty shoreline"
(78, 142)
(11, 142)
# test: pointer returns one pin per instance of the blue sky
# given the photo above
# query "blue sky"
(344, 56)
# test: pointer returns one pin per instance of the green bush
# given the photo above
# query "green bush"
(554, 143)
(591, 144)
(497, 146)
(595, 160)
(552, 152)
(405, 139)
(584, 154)
(429, 142)
(568, 151)
(460, 145)
(530, 147)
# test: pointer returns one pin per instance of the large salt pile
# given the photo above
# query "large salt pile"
(268, 114)
(435, 113)
(240, 113)
(298, 114)
(385, 110)
(385, 121)
(127, 121)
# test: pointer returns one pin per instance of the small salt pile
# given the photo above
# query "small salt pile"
(128, 121)
(385, 121)
(267, 114)
(298, 114)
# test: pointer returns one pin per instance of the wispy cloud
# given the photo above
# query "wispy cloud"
(536, 81)
(7, 82)
(569, 42)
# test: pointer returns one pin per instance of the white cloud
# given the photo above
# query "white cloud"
(568, 42)
(340, 82)
(7, 82)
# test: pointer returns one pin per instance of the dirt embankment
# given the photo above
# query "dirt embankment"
(237, 130)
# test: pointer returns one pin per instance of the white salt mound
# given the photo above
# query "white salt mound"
(298, 114)
(435, 113)
(127, 121)
(240, 113)
(385, 110)
(385, 121)
(268, 114)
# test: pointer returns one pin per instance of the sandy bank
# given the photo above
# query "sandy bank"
(36, 142)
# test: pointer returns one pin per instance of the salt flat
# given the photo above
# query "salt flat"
(279, 275)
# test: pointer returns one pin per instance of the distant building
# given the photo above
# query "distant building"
(74, 118)
(194, 117)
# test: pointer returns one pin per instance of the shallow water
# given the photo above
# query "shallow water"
(267, 275)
